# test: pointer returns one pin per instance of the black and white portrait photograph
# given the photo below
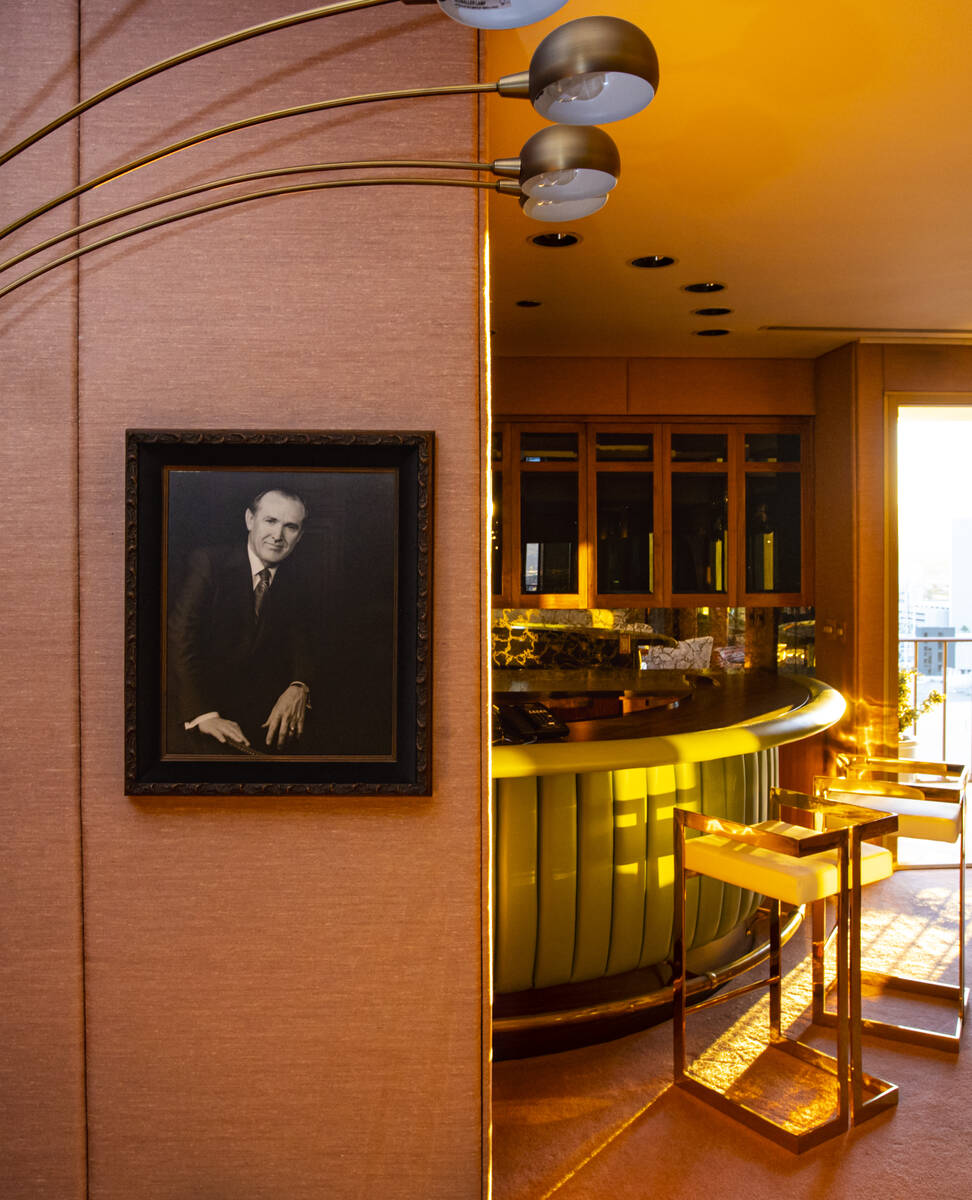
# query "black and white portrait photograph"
(287, 614)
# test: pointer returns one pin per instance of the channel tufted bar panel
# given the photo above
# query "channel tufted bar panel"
(584, 868)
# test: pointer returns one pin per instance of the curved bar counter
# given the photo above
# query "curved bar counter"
(582, 828)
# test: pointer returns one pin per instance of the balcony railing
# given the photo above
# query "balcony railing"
(945, 730)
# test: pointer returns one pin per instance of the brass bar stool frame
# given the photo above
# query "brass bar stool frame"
(950, 787)
(791, 846)
(859, 1095)
(869, 1095)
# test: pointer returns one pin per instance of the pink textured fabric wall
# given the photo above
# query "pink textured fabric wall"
(41, 1018)
(281, 997)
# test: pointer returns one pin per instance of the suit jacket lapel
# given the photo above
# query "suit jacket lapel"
(240, 594)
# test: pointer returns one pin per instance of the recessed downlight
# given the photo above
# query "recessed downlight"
(650, 262)
(705, 287)
(712, 312)
(528, 303)
(555, 239)
(711, 332)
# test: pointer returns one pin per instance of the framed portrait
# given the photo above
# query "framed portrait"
(278, 611)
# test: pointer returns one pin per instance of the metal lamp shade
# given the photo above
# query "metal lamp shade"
(593, 70)
(569, 162)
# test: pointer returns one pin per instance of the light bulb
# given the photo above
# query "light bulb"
(577, 87)
(561, 210)
(595, 97)
(569, 185)
(499, 14)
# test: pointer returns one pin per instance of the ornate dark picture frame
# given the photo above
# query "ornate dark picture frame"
(346, 618)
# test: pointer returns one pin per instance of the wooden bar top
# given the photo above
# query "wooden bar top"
(706, 700)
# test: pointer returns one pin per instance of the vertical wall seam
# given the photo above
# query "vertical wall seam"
(77, 601)
(487, 847)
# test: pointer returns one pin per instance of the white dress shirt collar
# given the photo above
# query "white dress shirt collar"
(256, 566)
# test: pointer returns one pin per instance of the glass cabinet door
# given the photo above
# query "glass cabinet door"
(499, 522)
(550, 516)
(625, 533)
(625, 513)
(624, 516)
(772, 447)
(705, 447)
(700, 543)
(548, 533)
(773, 533)
(496, 533)
(772, 515)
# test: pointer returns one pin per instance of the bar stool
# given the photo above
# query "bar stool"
(791, 864)
(930, 809)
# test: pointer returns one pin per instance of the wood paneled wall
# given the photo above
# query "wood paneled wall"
(858, 389)
(653, 386)
(272, 997)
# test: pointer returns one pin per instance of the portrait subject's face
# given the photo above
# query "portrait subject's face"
(275, 527)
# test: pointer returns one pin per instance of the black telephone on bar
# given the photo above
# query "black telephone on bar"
(530, 721)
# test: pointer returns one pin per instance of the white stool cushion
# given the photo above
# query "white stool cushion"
(929, 820)
(792, 880)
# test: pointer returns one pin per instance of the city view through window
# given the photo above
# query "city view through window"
(935, 580)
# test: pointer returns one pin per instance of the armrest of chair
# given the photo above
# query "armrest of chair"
(825, 811)
(767, 835)
(950, 785)
(946, 780)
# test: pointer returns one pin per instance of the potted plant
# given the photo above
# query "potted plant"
(909, 712)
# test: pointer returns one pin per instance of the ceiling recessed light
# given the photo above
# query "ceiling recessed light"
(528, 303)
(704, 287)
(555, 239)
(650, 261)
(711, 332)
(712, 312)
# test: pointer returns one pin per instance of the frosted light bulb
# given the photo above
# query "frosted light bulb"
(499, 14)
(577, 87)
(552, 179)
(602, 96)
(576, 184)
(561, 210)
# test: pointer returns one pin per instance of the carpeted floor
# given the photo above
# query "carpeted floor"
(604, 1121)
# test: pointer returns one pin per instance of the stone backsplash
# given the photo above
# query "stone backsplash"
(760, 638)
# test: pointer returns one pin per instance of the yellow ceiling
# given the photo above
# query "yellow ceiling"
(815, 158)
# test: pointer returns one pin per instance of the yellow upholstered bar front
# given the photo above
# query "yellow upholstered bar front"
(584, 866)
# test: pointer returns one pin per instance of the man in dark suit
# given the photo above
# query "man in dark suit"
(239, 639)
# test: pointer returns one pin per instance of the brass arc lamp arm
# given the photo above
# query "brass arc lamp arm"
(249, 177)
(247, 123)
(503, 186)
(231, 39)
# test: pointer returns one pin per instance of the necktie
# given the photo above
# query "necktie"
(261, 589)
